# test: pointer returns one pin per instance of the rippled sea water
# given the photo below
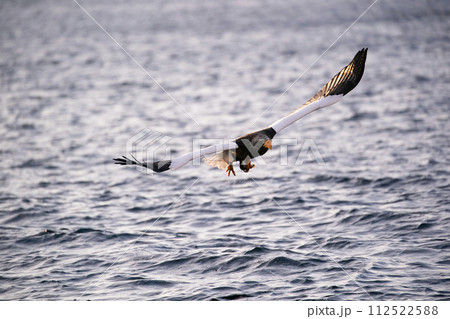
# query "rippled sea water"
(373, 222)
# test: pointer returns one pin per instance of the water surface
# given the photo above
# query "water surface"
(373, 222)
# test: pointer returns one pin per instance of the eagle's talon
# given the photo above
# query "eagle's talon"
(230, 169)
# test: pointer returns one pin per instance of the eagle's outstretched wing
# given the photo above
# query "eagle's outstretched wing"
(330, 93)
(177, 162)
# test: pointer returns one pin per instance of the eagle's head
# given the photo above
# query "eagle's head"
(246, 165)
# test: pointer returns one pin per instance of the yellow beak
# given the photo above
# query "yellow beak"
(268, 144)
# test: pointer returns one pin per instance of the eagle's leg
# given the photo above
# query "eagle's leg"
(230, 169)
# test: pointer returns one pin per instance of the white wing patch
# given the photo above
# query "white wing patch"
(305, 110)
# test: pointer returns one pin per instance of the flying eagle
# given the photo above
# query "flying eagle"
(251, 145)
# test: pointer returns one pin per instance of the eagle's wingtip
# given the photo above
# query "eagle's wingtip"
(125, 161)
(158, 167)
(119, 161)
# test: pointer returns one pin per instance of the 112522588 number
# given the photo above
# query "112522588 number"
(403, 310)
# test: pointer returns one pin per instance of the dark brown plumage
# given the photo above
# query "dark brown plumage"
(252, 145)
